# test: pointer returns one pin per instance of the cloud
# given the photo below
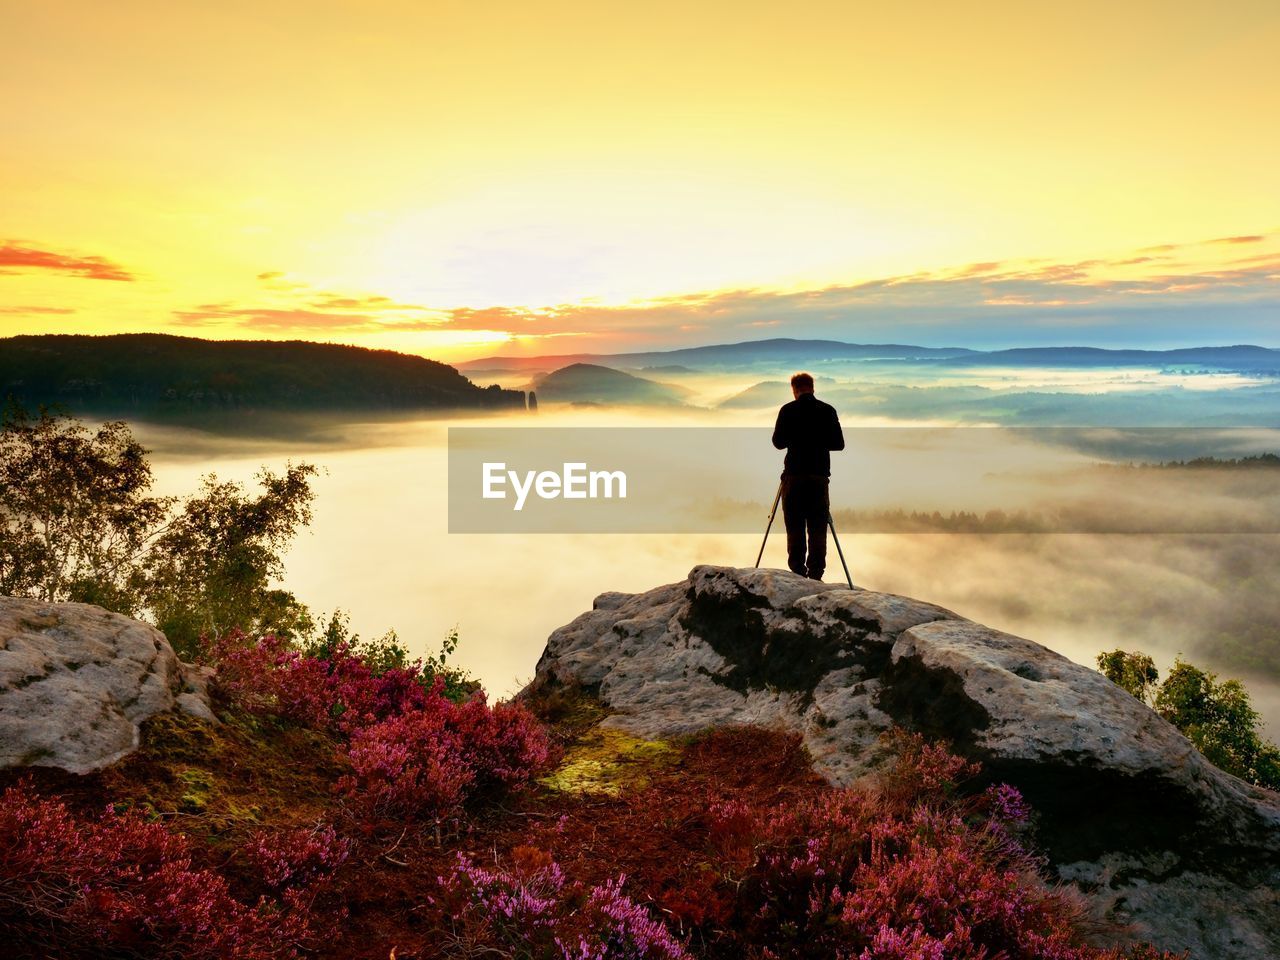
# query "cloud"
(16, 257)
(1033, 293)
(335, 302)
(299, 307)
(279, 280)
(1124, 298)
(270, 318)
(1251, 238)
(1118, 297)
(974, 269)
(36, 310)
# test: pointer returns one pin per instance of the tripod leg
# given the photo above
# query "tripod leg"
(776, 498)
(832, 524)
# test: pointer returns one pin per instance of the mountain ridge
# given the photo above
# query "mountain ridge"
(591, 383)
(162, 373)
(765, 349)
(780, 349)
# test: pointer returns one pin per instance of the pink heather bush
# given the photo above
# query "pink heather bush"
(619, 929)
(293, 859)
(531, 911)
(504, 744)
(269, 677)
(511, 905)
(341, 692)
(907, 873)
(426, 762)
(414, 752)
(120, 886)
(410, 766)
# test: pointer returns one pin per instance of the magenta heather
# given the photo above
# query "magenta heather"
(119, 885)
(340, 692)
(289, 859)
(533, 908)
(425, 763)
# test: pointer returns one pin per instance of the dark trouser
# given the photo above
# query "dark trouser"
(805, 503)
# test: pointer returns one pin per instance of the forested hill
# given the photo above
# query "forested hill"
(143, 373)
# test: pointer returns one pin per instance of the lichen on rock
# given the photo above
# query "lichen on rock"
(608, 761)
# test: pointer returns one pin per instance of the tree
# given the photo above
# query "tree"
(212, 568)
(1218, 717)
(75, 515)
(78, 522)
(1135, 672)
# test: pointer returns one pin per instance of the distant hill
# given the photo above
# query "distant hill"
(148, 374)
(669, 370)
(1241, 357)
(789, 353)
(778, 350)
(772, 393)
(589, 383)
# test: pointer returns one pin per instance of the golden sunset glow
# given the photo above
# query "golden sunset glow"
(453, 178)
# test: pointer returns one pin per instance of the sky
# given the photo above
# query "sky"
(463, 179)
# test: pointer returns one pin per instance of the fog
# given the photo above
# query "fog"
(379, 545)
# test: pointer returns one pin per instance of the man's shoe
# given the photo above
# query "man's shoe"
(815, 576)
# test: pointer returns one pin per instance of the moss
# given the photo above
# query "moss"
(568, 708)
(222, 781)
(200, 789)
(242, 812)
(606, 761)
(179, 738)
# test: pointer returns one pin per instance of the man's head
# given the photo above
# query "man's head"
(801, 383)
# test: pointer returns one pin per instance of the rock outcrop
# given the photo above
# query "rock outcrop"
(76, 681)
(1187, 855)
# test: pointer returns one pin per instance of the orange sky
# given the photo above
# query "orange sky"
(458, 178)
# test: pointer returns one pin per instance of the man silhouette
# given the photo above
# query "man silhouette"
(808, 430)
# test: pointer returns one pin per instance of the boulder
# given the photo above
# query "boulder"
(76, 681)
(1184, 854)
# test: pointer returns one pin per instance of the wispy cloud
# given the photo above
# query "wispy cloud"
(979, 295)
(1002, 299)
(18, 257)
(1250, 238)
(28, 311)
(294, 306)
(379, 303)
(270, 318)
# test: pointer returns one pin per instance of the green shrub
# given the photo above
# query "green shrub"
(1218, 717)
(1136, 672)
(78, 522)
(1215, 715)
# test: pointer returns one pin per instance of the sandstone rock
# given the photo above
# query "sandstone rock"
(1130, 811)
(193, 700)
(77, 680)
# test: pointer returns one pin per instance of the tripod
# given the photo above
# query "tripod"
(830, 523)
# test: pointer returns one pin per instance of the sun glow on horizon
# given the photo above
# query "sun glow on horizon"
(625, 178)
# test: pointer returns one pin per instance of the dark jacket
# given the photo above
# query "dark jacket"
(807, 428)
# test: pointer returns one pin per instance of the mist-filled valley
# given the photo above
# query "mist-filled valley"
(579, 481)
(1004, 532)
